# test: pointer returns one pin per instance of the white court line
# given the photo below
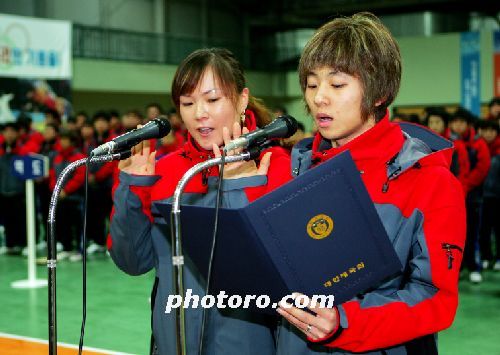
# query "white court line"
(71, 346)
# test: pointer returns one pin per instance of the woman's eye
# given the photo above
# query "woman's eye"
(213, 99)
(186, 104)
(311, 86)
(338, 86)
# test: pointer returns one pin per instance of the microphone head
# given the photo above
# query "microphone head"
(291, 124)
(164, 126)
(282, 127)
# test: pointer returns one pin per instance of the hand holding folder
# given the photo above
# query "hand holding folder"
(319, 234)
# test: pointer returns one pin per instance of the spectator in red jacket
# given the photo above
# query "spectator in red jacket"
(52, 116)
(12, 200)
(30, 140)
(69, 212)
(168, 144)
(462, 129)
(494, 109)
(81, 117)
(490, 222)
(489, 131)
(50, 148)
(153, 110)
(175, 139)
(437, 120)
(177, 123)
(100, 121)
(72, 126)
(87, 138)
(100, 183)
(115, 123)
(131, 120)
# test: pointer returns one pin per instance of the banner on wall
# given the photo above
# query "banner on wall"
(34, 48)
(496, 62)
(35, 67)
(470, 71)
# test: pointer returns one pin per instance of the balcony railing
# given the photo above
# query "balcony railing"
(113, 44)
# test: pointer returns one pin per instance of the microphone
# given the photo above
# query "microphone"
(157, 128)
(282, 127)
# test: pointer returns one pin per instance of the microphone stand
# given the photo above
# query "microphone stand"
(177, 257)
(51, 240)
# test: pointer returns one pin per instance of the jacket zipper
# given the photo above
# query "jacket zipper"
(206, 172)
(204, 176)
(394, 174)
(448, 247)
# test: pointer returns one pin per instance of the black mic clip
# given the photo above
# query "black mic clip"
(257, 149)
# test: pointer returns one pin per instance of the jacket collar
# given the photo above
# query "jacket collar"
(398, 146)
(378, 145)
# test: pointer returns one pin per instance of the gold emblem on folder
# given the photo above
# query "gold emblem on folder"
(320, 226)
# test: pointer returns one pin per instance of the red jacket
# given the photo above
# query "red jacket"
(479, 159)
(172, 167)
(164, 149)
(460, 165)
(102, 172)
(30, 142)
(421, 205)
(494, 147)
(140, 243)
(61, 161)
(2, 145)
(462, 162)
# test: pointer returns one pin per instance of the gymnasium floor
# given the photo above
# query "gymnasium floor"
(118, 312)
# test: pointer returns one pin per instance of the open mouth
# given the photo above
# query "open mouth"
(323, 120)
(205, 131)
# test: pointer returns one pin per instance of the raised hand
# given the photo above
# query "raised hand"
(243, 168)
(142, 160)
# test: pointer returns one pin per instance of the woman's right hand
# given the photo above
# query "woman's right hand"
(242, 168)
(141, 162)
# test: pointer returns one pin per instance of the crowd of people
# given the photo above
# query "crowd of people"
(64, 142)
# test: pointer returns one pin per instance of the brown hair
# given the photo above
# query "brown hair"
(361, 46)
(229, 73)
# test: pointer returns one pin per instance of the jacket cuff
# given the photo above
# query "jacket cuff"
(334, 334)
(138, 180)
(238, 184)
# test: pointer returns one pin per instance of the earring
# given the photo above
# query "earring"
(242, 118)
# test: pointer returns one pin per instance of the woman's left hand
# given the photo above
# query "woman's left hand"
(319, 325)
(242, 168)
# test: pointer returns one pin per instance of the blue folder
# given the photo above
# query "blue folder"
(319, 234)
